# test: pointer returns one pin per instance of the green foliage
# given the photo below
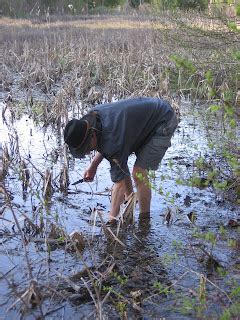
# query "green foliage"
(162, 289)
(180, 181)
(236, 54)
(232, 312)
(209, 77)
(211, 175)
(61, 239)
(182, 77)
(221, 272)
(170, 164)
(122, 280)
(177, 244)
(209, 236)
(196, 181)
(221, 185)
(211, 91)
(120, 301)
(113, 3)
(238, 10)
(233, 123)
(19, 8)
(134, 3)
(224, 106)
(200, 163)
(193, 4)
(111, 290)
(182, 4)
(222, 231)
(121, 307)
(235, 293)
(183, 63)
(214, 108)
(233, 161)
(232, 26)
(168, 259)
(187, 305)
(232, 243)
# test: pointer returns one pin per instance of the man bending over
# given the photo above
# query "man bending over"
(143, 126)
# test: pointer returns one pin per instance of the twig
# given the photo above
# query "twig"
(21, 234)
(90, 292)
(88, 192)
(53, 310)
(5, 274)
(108, 231)
(70, 282)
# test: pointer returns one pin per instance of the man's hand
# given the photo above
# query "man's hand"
(89, 174)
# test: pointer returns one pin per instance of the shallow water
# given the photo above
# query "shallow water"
(150, 254)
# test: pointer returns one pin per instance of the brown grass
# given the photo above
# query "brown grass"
(68, 61)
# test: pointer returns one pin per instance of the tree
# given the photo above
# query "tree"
(193, 4)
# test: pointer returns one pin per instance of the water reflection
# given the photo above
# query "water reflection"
(138, 260)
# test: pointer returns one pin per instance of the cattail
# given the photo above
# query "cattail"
(47, 184)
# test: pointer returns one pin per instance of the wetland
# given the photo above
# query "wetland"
(58, 258)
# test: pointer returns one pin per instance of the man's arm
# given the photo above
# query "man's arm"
(89, 174)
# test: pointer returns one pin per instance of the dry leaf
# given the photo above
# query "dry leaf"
(31, 297)
(233, 223)
(168, 217)
(78, 240)
(56, 232)
(136, 294)
(127, 216)
(192, 216)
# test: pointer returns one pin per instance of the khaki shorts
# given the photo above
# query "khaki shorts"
(150, 155)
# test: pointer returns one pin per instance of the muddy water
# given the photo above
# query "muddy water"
(155, 251)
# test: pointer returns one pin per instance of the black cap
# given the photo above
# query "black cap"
(77, 134)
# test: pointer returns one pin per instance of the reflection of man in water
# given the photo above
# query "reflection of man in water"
(144, 225)
(143, 126)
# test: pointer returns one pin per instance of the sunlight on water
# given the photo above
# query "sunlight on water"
(41, 148)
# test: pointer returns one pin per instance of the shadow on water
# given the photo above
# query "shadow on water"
(167, 262)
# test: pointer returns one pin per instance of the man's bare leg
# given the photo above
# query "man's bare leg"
(143, 189)
(121, 190)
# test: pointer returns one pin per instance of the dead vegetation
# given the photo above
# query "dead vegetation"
(54, 71)
(69, 61)
(54, 237)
